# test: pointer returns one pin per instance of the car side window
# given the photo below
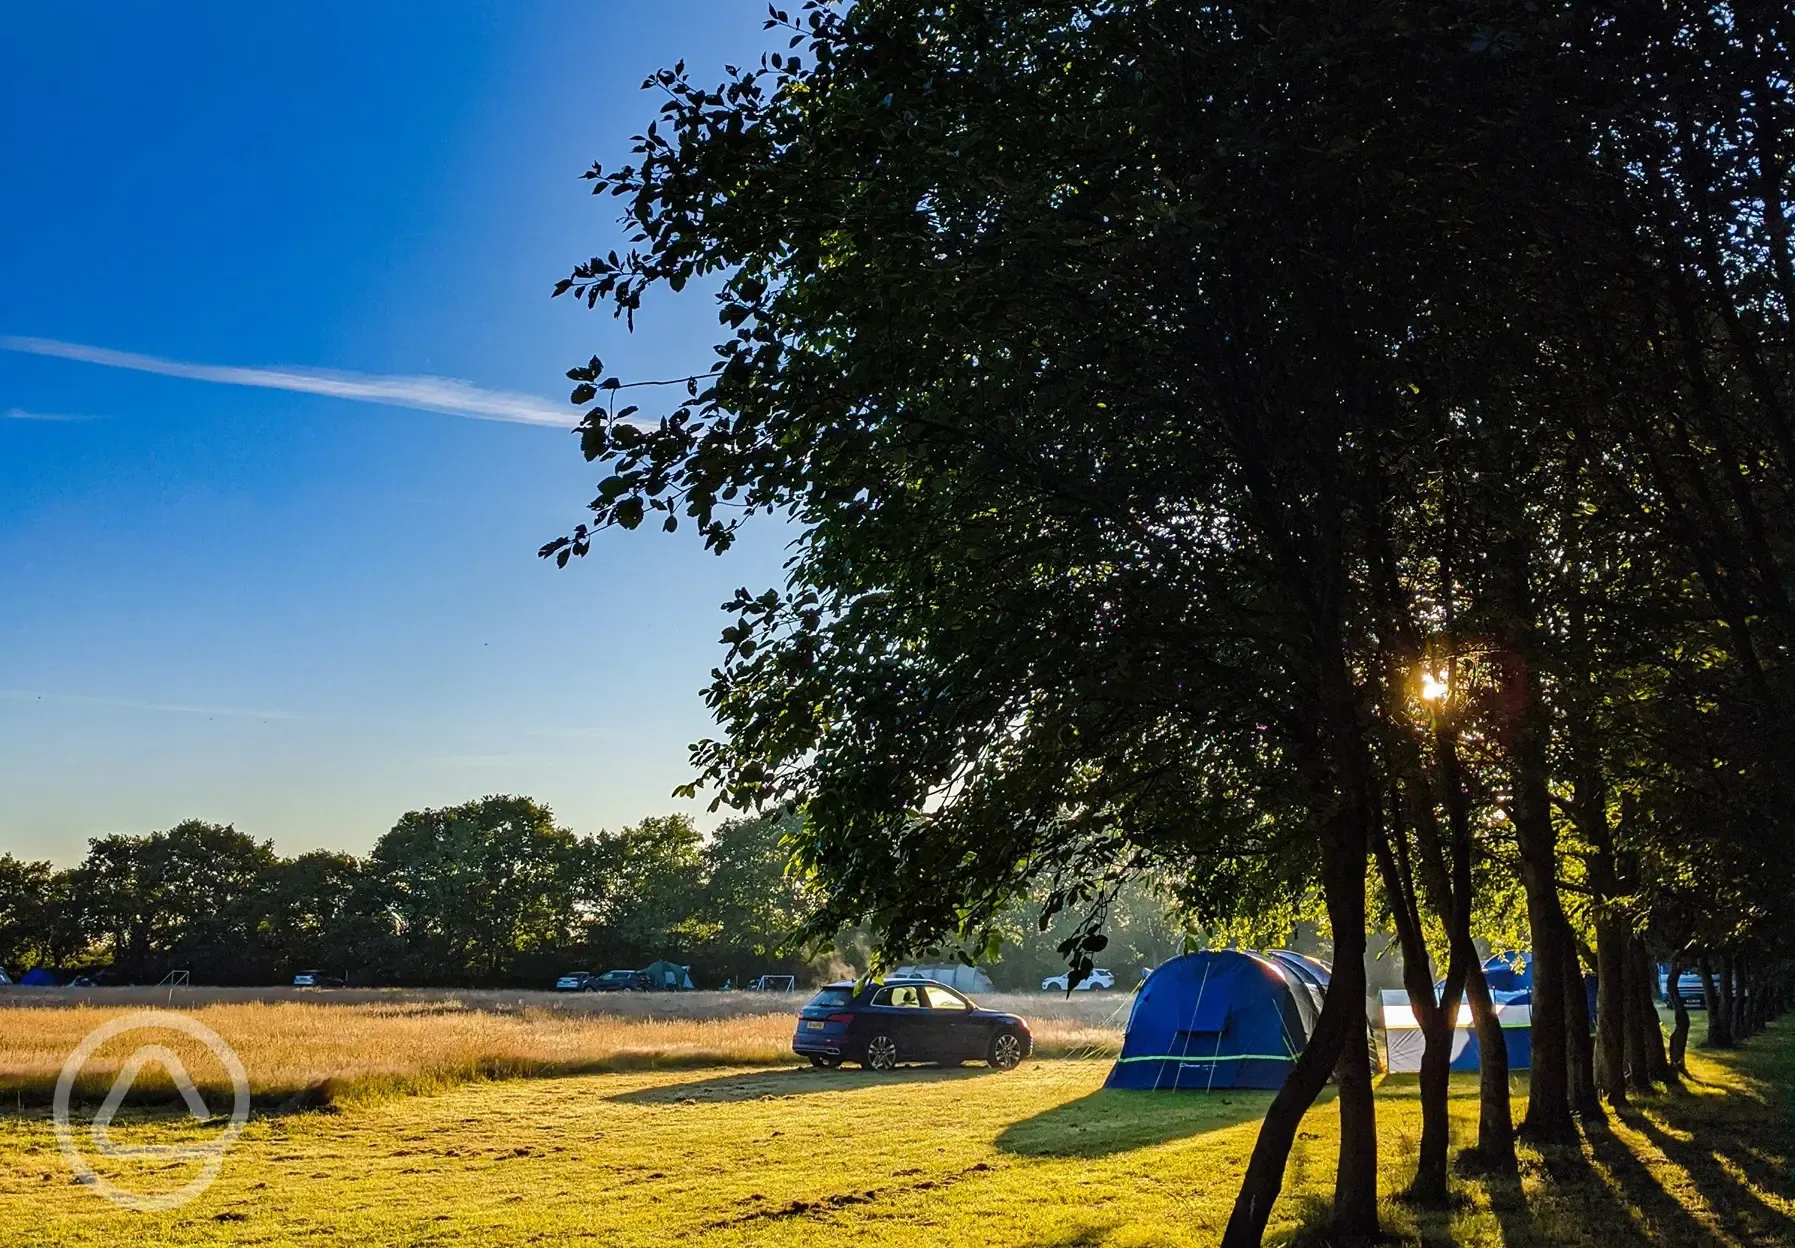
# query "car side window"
(942, 999)
(908, 996)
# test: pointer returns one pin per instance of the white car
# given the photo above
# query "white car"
(1098, 978)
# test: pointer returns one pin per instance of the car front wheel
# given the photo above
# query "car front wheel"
(1006, 1051)
(881, 1053)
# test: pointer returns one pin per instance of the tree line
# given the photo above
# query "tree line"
(489, 893)
(1313, 454)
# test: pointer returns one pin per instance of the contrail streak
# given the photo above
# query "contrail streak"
(426, 394)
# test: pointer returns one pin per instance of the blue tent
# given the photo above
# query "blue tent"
(1312, 971)
(40, 978)
(1217, 1019)
(1509, 971)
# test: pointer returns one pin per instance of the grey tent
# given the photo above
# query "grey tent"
(668, 977)
(953, 974)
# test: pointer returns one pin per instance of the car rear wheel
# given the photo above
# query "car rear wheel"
(824, 1063)
(881, 1053)
(1006, 1051)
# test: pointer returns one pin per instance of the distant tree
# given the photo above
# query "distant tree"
(473, 887)
(39, 924)
(641, 890)
(326, 913)
(192, 898)
(753, 907)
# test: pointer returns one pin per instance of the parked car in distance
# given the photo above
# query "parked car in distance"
(573, 981)
(616, 981)
(1097, 979)
(912, 1020)
(1689, 987)
(316, 979)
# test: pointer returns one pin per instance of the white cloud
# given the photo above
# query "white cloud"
(19, 413)
(128, 704)
(428, 394)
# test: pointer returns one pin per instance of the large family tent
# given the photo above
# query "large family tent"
(39, 978)
(1217, 1019)
(1312, 972)
(1404, 1041)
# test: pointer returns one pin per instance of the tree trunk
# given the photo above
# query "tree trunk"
(1659, 1068)
(1611, 1032)
(1579, 1054)
(1736, 980)
(1720, 1035)
(1395, 865)
(1429, 1187)
(1495, 1149)
(1639, 1062)
(1355, 1177)
(1679, 1036)
(1548, 1103)
(1729, 996)
(1339, 1039)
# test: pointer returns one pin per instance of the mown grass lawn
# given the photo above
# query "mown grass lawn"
(1042, 1156)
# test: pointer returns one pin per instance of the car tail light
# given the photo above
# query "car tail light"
(839, 1018)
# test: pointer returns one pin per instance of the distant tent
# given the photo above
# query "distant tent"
(668, 976)
(1404, 1041)
(953, 974)
(1216, 1019)
(39, 978)
(1509, 971)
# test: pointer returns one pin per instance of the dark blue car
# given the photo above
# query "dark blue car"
(906, 1020)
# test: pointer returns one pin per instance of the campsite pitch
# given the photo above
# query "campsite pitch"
(1042, 1156)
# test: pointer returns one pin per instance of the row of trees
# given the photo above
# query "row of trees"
(1291, 449)
(490, 892)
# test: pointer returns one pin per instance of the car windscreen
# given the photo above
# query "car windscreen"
(833, 996)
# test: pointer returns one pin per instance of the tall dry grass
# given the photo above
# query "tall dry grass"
(313, 1052)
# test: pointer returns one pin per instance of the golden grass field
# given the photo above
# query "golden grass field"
(372, 1044)
(1042, 1157)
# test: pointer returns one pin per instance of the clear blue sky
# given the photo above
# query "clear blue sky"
(300, 613)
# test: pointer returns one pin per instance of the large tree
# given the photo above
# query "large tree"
(1083, 342)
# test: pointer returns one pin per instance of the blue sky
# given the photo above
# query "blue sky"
(302, 613)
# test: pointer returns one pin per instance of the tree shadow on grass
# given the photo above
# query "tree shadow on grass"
(801, 1081)
(1116, 1120)
(1599, 1191)
(1725, 1163)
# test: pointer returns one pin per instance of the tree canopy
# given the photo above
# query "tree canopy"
(1242, 442)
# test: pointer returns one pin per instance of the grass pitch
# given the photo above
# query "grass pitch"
(1039, 1158)
(356, 1046)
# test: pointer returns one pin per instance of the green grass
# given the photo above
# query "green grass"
(1039, 1158)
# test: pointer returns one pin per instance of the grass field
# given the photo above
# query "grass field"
(1039, 1158)
(357, 1046)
